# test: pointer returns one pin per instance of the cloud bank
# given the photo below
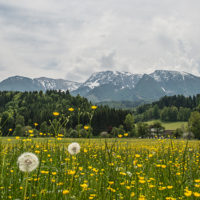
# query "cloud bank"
(72, 39)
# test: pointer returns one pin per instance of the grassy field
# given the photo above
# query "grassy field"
(104, 169)
(171, 125)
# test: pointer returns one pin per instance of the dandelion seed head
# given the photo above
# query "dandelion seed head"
(27, 162)
(74, 148)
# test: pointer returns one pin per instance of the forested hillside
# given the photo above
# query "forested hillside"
(169, 108)
(23, 111)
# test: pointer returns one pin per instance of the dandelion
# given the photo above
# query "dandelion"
(55, 113)
(30, 131)
(86, 127)
(125, 134)
(28, 162)
(71, 109)
(129, 173)
(94, 107)
(65, 191)
(74, 148)
(35, 124)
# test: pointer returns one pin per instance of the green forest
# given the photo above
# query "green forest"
(32, 113)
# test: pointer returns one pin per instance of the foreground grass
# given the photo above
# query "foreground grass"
(170, 125)
(104, 169)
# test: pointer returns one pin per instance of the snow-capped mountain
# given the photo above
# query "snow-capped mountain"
(57, 84)
(119, 86)
(114, 85)
(107, 84)
(20, 83)
(120, 79)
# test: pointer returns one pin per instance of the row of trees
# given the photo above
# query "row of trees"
(19, 111)
(167, 114)
(31, 113)
(169, 108)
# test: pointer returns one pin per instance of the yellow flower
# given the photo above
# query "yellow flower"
(94, 107)
(188, 193)
(132, 194)
(86, 127)
(196, 194)
(120, 135)
(125, 134)
(10, 129)
(17, 138)
(84, 186)
(71, 109)
(55, 113)
(35, 124)
(65, 191)
(142, 181)
(30, 131)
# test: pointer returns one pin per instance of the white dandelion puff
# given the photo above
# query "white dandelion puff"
(74, 148)
(27, 162)
(129, 173)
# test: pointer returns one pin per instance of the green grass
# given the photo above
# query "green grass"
(170, 125)
(132, 169)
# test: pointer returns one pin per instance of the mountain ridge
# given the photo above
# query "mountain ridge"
(114, 85)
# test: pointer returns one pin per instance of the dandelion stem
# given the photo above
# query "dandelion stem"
(26, 185)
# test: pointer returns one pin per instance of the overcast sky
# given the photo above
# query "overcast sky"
(71, 39)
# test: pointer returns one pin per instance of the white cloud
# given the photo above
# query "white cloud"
(72, 39)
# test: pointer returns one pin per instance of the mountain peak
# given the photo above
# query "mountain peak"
(119, 79)
(167, 75)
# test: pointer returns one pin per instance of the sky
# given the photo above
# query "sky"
(71, 39)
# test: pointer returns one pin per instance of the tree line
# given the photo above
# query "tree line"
(23, 111)
(32, 113)
(169, 108)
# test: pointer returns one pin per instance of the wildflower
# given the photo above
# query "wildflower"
(35, 124)
(129, 174)
(132, 194)
(65, 191)
(71, 109)
(94, 107)
(74, 148)
(55, 113)
(28, 162)
(84, 186)
(125, 134)
(196, 194)
(86, 127)
(120, 136)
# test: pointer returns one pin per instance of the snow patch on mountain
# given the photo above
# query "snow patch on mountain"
(119, 79)
(165, 75)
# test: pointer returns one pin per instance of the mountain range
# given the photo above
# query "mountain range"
(113, 85)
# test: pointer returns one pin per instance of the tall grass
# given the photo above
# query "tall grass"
(104, 169)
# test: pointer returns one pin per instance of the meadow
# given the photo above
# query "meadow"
(106, 169)
(170, 125)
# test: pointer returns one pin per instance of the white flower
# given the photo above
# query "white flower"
(74, 148)
(28, 162)
(129, 173)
